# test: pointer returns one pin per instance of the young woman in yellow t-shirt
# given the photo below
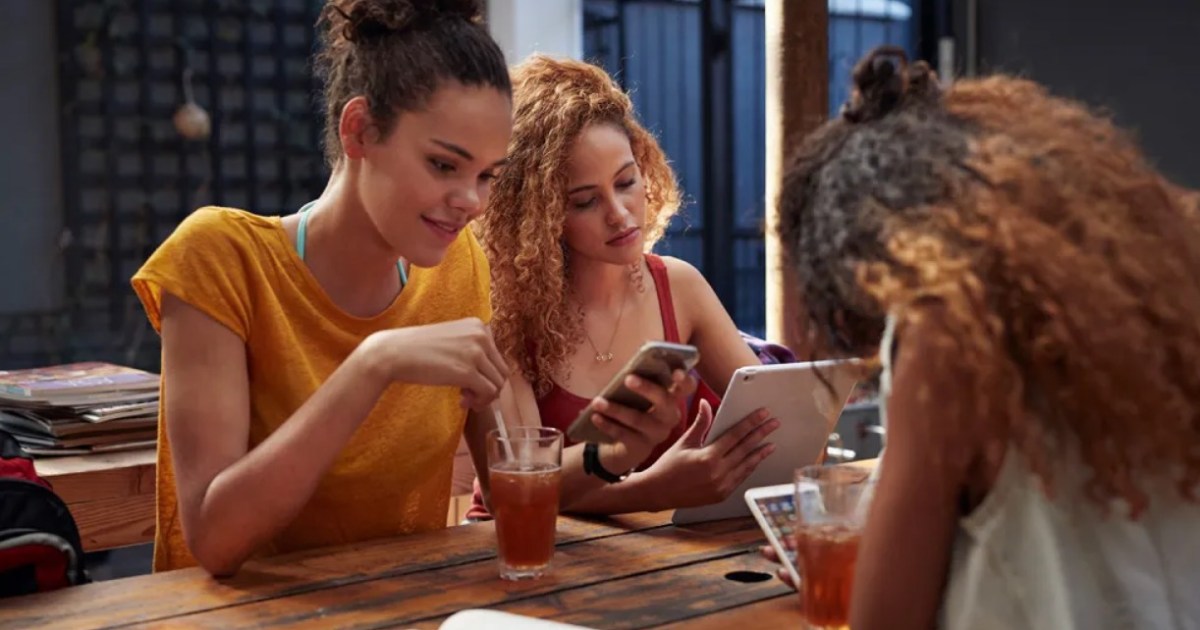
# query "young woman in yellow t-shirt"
(319, 369)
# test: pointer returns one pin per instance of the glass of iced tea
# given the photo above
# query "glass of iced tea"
(831, 505)
(524, 471)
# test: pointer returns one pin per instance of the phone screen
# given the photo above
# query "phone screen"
(779, 512)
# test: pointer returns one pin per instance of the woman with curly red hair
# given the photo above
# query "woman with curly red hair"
(584, 196)
(1032, 285)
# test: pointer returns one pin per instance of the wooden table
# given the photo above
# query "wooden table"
(632, 571)
(111, 495)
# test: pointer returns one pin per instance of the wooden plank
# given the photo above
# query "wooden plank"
(79, 487)
(115, 522)
(51, 467)
(782, 611)
(415, 597)
(684, 593)
(161, 596)
(111, 495)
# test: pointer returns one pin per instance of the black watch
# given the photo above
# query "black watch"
(592, 465)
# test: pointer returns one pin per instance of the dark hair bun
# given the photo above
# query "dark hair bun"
(884, 80)
(360, 21)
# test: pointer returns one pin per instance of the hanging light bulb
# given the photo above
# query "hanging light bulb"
(191, 120)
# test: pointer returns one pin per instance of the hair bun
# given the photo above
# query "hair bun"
(884, 80)
(359, 21)
(469, 10)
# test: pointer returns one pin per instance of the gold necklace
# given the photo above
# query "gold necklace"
(607, 355)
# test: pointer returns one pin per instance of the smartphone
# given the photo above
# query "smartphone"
(655, 361)
(774, 507)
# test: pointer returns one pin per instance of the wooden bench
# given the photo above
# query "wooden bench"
(111, 495)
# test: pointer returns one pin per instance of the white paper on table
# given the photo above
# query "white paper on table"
(473, 619)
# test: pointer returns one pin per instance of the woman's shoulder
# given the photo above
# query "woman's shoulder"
(690, 291)
(224, 219)
(683, 276)
(211, 261)
(225, 231)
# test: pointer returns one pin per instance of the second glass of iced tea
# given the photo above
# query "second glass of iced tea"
(524, 473)
(831, 506)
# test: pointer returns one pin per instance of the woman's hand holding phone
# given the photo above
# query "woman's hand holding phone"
(636, 434)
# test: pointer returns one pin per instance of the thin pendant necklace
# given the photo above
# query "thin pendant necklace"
(607, 355)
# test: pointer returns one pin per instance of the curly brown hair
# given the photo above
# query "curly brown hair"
(554, 100)
(1064, 266)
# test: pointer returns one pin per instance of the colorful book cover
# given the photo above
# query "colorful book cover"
(74, 379)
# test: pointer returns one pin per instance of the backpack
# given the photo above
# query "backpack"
(40, 549)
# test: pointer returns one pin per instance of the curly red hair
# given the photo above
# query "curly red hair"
(554, 100)
(1066, 268)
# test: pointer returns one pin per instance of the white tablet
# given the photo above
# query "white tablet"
(807, 412)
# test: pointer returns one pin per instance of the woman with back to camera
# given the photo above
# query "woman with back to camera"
(1031, 284)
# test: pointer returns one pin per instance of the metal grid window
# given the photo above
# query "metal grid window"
(130, 176)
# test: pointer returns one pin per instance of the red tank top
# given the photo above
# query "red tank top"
(559, 407)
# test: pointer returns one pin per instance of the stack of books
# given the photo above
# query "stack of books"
(79, 408)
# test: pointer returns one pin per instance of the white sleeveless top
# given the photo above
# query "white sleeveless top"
(1023, 561)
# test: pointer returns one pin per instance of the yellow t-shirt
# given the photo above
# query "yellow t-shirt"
(393, 477)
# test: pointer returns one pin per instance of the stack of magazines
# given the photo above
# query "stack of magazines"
(79, 408)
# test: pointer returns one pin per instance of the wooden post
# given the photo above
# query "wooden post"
(797, 36)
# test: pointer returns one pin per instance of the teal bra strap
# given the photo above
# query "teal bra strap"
(302, 230)
(302, 234)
